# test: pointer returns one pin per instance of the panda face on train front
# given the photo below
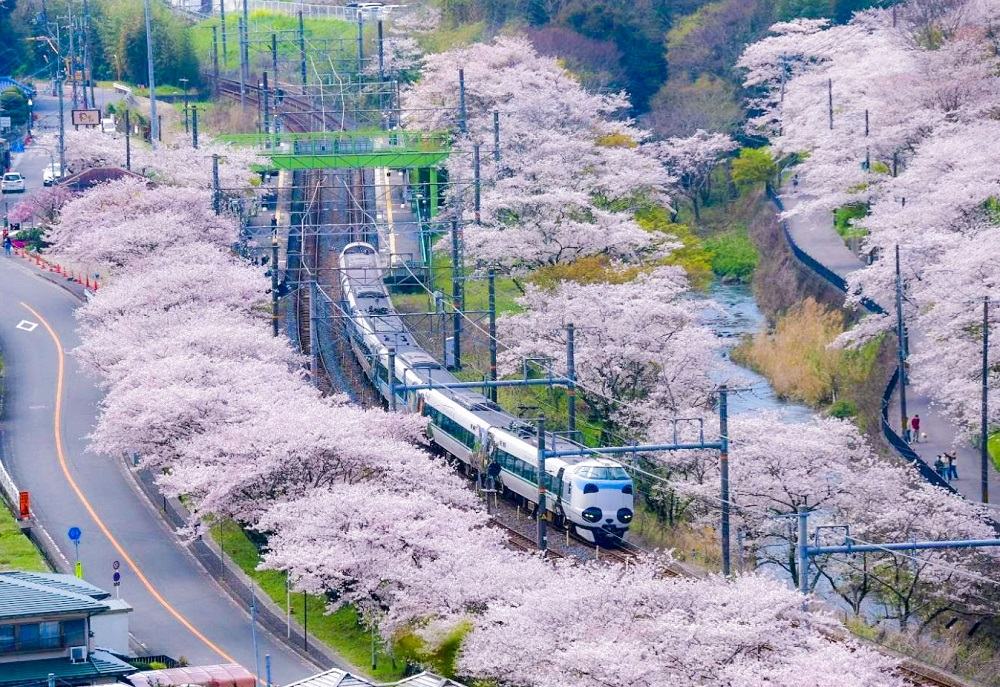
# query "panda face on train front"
(600, 500)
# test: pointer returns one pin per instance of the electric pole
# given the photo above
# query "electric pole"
(491, 277)
(154, 121)
(62, 122)
(543, 542)
(984, 430)
(901, 339)
(571, 376)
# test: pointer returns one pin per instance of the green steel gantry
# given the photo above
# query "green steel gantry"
(347, 149)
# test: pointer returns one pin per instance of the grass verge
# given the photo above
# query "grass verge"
(341, 629)
(993, 446)
(17, 552)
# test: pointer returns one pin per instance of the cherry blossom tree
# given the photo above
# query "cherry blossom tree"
(692, 160)
(567, 171)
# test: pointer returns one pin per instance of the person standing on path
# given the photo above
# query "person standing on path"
(940, 468)
(915, 426)
(7, 245)
(952, 468)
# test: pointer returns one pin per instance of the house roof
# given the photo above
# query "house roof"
(338, 678)
(88, 178)
(99, 664)
(28, 595)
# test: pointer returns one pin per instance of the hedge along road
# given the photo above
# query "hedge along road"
(51, 407)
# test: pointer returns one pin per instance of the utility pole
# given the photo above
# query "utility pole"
(901, 339)
(72, 53)
(491, 280)
(571, 376)
(463, 124)
(496, 135)
(302, 52)
(984, 453)
(62, 121)
(215, 57)
(543, 542)
(154, 121)
(381, 53)
(128, 141)
(724, 472)
(194, 127)
(274, 276)
(87, 58)
(868, 151)
(829, 99)
(456, 295)
(274, 58)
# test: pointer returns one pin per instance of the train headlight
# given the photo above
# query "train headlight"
(592, 514)
(624, 515)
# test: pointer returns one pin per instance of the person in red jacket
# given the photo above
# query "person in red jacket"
(915, 426)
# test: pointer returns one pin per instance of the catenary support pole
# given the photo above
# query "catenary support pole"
(184, 83)
(456, 294)
(477, 183)
(724, 471)
(194, 127)
(496, 135)
(803, 512)
(361, 42)
(243, 85)
(302, 53)
(216, 191)
(215, 58)
(313, 334)
(491, 280)
(154, 120)
(128, 141)
(274, 277)
(265, 101)
(391, 376)
(246, 40)
(901, 345)
(543, 542)
(984, 430)
(381, 53)
(571, 375)
(463, 124)
(222, 23)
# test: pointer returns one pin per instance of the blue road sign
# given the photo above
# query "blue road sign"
(74, 534)
(117, 577)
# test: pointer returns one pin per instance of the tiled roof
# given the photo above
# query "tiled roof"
(338, 678)
(99, 664)
(26, 595)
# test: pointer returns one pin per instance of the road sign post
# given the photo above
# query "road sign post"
(74, 535)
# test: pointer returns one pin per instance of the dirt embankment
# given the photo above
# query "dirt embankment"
(781, 283)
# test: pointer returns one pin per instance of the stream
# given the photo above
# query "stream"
(735, 315)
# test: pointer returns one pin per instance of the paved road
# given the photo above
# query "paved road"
(815, 234)
(51, 407)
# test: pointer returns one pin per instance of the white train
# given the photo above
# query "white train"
(594, 496)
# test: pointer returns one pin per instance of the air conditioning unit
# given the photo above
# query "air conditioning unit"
(77, 654)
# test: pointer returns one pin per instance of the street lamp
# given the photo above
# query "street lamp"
(184, 83)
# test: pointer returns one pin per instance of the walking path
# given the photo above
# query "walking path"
(814, 234)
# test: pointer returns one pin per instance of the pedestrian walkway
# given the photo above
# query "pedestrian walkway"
(815, 235)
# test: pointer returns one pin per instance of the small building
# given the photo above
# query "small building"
(88, 178)
(339, 678)
(47, 623)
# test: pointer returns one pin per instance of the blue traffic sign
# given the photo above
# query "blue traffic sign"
(117, 577)
(74, 534)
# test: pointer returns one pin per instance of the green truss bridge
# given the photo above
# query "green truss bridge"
(347, 149)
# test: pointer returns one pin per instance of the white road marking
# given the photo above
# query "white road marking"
(27, 325)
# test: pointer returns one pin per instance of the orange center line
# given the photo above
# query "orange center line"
(57, 429)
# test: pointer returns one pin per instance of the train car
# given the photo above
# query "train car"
(593, 496)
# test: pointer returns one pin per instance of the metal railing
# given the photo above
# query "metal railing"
(895, 441)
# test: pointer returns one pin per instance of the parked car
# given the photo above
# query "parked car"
(52, 174)
(13, 182)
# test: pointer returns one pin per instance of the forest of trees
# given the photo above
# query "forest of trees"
(117, 38)
(674, 57)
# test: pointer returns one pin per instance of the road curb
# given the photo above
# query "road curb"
(235, 582)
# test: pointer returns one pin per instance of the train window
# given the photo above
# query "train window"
(627, 489)
(590, 489)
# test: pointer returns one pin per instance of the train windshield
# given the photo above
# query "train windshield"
(602, 472)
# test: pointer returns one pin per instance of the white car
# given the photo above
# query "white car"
(13, 182)
(52, 174)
